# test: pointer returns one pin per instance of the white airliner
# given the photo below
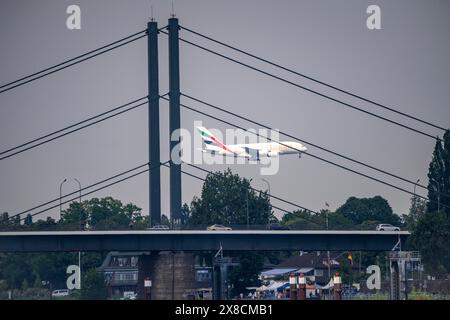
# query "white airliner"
(251, 151)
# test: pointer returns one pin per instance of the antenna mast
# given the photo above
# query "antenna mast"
(173, 11)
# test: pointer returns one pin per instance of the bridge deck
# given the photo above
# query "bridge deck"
(194, 240)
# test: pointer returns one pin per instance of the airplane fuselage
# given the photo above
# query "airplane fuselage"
(267, 149)
(249, 150)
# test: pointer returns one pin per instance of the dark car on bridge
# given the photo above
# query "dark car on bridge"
(277, 226)
(159, 227)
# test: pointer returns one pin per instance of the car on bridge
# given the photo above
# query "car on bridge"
(218, 227)
(159, 227)
(387, 227)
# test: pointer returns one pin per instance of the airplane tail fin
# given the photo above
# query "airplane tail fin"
(209, 138)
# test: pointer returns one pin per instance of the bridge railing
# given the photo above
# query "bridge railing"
(278, 227)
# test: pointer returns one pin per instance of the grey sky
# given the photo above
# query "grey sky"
(404, 65)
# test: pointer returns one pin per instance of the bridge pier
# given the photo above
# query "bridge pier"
(395, 280)
(172, 275)
(153, 126)
(220, 270)
(174, 122)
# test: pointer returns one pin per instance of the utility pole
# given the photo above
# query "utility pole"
(153, 125)
(360, 257)
(81, 228)
(328, 251)
(439, 198)
(248, 222)
(174, 120)
(337, 286)
(269, 211)
(248, 216)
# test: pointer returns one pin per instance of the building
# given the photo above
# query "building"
(121, 273)
(314, 265)
(120, 270)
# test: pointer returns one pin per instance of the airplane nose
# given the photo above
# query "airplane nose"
(301, 147)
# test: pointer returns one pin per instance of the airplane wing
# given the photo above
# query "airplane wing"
(252, 152)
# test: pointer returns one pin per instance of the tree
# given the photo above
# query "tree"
(24, 284)
(102, 214)
(431, 236)
(446, 158)
(75, 217)
(436, 177)
(417, 209)
(93, 286)
(9, 223)
(431, 230)
(185, 214)
(165, 221)
(303, 220)
(14, 268)
(244, 275)
(28, 220)
(37, 281)
(48, 224)
(224, 201)
(4, 221)
(133, 213)
(358, 210)
(346, 272)
(32, 268)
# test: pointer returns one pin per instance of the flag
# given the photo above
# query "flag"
(350, 258)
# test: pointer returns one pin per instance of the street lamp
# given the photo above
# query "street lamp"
(81, 227)
(415, 185)
(326, 213)
(60, 197)
(79, 185)
(79, 214)
(268, 214)
(248, 217)
(414, 200)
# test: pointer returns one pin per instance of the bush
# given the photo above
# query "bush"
(93, 286)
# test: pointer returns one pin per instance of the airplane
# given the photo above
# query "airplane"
(251, 151)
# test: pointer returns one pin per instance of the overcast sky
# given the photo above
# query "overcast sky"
(404, 65)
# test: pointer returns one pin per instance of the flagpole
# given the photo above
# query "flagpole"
(328, 251)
